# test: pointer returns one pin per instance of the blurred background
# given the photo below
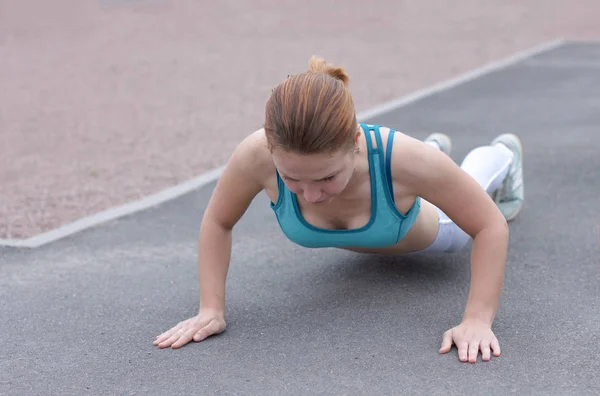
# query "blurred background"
(104, 101)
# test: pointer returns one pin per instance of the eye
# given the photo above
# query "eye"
(327, 179)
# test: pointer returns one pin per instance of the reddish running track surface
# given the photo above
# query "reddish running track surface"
(106, 101)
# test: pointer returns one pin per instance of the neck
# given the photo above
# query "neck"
(360, 176)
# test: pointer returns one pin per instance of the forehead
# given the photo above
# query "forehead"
(308, 166)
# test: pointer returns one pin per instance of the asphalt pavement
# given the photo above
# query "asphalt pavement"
(79, 315)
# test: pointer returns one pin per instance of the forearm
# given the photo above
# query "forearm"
(488, 261)
(214, 254)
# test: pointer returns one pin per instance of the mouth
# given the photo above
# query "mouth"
(326, 200)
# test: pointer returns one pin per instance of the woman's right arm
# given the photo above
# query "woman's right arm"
(242, 179)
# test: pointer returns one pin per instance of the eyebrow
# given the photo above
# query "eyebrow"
(321, 179)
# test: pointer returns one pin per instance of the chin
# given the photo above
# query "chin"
(326, 200)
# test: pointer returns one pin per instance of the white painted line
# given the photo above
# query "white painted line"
(562, 64)
(114, 213)
(582, 41)
(471, 75)
(210, 176)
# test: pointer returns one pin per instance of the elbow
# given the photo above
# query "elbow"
(498, 223)
(499, 227)
(504, 229)
(213, 225)
(502, 224)
(496, 226)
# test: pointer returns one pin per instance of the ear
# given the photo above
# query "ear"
(357, 135)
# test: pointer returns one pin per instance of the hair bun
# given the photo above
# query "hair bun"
(319, 65)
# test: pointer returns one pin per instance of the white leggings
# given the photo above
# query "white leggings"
(488, 165)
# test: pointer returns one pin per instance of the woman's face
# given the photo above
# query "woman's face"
(318, 178)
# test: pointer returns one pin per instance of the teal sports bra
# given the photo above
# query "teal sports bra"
(386, 225)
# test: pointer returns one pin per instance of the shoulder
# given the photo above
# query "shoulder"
(407, 152)
(252, 156)
(413, 162)
(429, 173)
(246, 173)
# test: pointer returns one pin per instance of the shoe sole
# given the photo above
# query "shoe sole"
(520, 146)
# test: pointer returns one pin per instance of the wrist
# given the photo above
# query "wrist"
(212, 306)
(484, 316)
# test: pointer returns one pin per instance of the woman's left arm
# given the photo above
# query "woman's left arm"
(435, 177)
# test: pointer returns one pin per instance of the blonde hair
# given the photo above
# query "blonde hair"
(311, 112)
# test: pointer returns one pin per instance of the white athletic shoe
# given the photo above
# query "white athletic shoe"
(442, 140)
(509, 196)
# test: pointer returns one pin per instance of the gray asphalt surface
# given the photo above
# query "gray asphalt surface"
(79, 315)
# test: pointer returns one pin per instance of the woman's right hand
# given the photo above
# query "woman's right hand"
(198, 328)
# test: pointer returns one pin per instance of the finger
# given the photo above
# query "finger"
(462, 351)
(213, 327)
(167, 334)
(446, 342)
(184, 337)
(473, 351)
(485, 351)
(172, 339)
(495, 346)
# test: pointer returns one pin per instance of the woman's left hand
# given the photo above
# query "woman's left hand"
(470, 336)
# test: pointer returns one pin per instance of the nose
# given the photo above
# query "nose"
(312, 196)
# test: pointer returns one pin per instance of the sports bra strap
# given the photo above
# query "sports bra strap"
(368, 138)
(369, 132)
(378, 138)
(388, 161)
